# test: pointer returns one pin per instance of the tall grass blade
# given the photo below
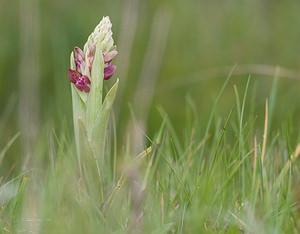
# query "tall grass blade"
(235, 170)
(171, 130)
(265, 135)
(272, 98)
(8, 145)
(215, 159)
(214, 110)
(241, 138)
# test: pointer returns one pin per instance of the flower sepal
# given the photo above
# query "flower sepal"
(98, 131)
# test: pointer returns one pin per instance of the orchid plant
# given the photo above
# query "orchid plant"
(90, 113)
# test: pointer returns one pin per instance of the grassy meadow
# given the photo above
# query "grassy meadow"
(204, 133)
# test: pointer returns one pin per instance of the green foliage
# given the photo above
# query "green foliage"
(217, 161)
(225, 186)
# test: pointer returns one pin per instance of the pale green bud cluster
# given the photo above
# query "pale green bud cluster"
(103, 34)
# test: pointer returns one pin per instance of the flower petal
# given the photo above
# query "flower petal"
(73, 75)
(79, 59)
(82, 86)
(85, 79)
(92, 50)
(79, 55)
(109, 71)
(91, 56)
(109, 56)
(77, 63)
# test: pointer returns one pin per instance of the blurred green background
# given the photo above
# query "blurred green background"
(169, 52)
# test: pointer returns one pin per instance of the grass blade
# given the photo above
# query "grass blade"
(8, 145)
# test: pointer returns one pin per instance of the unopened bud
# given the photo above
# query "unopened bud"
(103, 34)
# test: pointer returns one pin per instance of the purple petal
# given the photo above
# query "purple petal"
(73, 75)
(79, 55)
(91, 60)
(92, 50)
(82, 86)
(86, 89)
(109, 71)
(85, 79)
(77, 63)
(80, 81)
(79, 59)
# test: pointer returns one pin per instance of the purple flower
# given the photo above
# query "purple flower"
(80, 81)
(109, 71)
(78, 76)
(108, 57)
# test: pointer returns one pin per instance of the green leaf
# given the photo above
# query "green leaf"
(98, 133)
(20, 194)
(18, 201)
(94, 101)
(91, 165)
(85, 147)
(78, 112)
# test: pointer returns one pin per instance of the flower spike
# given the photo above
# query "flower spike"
(102, 36)
(91, 108)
